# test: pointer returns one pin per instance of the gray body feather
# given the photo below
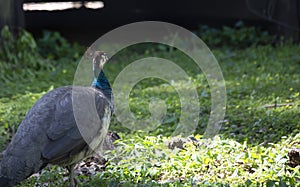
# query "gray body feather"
(49, 133)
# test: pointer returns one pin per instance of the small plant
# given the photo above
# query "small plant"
(261, 123)
(53, 46)
(19, 56)
(237, 37)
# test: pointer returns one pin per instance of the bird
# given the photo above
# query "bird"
(49, 133)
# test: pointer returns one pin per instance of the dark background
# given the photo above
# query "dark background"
(85, 25)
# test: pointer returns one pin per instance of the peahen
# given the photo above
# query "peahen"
(49, 133)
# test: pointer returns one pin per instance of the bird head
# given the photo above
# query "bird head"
(99, 59)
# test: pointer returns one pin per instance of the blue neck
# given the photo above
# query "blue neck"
(101, 83)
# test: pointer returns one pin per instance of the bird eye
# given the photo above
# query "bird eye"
(97, 60)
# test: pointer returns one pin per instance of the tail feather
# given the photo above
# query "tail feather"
(4, 181)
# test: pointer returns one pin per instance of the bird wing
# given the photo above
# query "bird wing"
(65, 135)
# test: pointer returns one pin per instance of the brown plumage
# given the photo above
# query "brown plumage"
(294, 157)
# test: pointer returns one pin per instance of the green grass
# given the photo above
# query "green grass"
(250, 150)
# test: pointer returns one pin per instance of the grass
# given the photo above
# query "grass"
(250, 149)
